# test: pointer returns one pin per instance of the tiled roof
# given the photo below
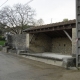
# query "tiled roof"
(53, 25)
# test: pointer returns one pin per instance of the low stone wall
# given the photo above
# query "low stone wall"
(17, 41)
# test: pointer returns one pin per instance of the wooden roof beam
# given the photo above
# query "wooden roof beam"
(67, 35)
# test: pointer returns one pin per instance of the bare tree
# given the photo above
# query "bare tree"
(38, 22)
(16, 17)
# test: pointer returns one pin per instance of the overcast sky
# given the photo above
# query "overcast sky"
(56, 10)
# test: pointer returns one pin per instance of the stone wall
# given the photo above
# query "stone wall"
(61, 45)
(43, 43)
(17, 41)
(40, 43)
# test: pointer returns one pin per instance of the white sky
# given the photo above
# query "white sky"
(47, 9)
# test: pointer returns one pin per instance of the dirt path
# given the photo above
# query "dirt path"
(13, 67)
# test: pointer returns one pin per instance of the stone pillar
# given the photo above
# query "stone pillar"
(74, 40)
(27, 40)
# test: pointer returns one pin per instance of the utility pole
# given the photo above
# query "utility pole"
(78, 33)
(51, 20)
(3, 3)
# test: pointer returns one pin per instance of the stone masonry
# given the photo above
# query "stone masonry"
(61, 45)
(40, 43)
(74, 41)
(17, 41)
(43, 43)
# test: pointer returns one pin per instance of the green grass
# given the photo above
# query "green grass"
(2, 43)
